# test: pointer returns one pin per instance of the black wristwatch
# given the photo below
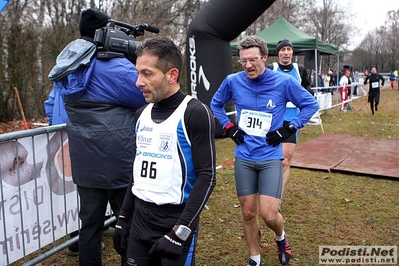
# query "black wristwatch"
(291, 127)
(182, 232)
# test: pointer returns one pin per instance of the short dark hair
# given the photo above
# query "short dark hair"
(169, 55)
(253, 41)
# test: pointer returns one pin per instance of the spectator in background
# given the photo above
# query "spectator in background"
(397, 77)
(360, 89)
(56, 114)
(355, 80)
(331, 82)
(376, 82)
(392, 79)
(55, 108)
(365, 75)
(312, 78)
(351, 83)
(326, 80)
(334, 77)
(100, 99)
(320, 80)
(344, 84)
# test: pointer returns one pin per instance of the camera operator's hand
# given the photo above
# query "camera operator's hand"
(169, 246)
(121, 235)
(274, 138)
(234, 133)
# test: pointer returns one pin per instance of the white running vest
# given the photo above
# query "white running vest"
(296, 75)
(161, 168)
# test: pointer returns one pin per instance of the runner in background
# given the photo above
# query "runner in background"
(376, 82)
(285, 52)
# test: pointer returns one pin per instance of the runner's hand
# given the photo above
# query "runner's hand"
(274, 138)
(121, 235)
(236, 134)
(169, 246)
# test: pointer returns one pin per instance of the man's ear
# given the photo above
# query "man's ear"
(173, 75)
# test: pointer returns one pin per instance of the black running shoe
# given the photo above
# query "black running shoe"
(251, 262)
(284, 251)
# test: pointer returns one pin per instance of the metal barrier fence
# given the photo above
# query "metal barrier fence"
(334, 99)
(39, 201)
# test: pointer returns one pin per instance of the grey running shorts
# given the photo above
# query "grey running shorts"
(263, 177)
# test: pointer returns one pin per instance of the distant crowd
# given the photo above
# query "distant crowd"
(329, 80)
(394, 77)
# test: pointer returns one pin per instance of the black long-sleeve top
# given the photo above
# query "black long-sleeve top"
(200, 127)
(374, 78)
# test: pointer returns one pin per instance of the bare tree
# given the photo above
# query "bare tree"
(329, 23)
(392, 39)
(367, 52)
(289, 9)
(172, 17)
(33, 33)
(20, 68)
(380, 47)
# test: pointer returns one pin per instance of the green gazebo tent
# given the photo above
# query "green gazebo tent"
(282, 29)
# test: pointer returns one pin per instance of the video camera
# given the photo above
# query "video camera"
(121, 41)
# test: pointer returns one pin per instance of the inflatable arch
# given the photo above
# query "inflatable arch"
(208, 52)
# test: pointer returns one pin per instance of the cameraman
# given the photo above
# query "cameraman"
(100, 99)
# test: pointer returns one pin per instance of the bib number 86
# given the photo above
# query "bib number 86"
(148, 169)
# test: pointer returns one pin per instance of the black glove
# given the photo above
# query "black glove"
(121, 235)
(276, 137)
(234, 133)
(169, 246)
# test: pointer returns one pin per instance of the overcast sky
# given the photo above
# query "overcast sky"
(369, 15)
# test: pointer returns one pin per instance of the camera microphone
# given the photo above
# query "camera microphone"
(149, 28)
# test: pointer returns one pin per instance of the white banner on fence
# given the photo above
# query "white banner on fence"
(324, 100)
(38, 201)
